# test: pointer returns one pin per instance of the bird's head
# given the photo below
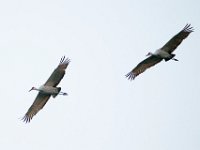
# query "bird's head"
(33, 88)
(149, 54)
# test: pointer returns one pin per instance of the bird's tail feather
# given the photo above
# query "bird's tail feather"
(58, 91)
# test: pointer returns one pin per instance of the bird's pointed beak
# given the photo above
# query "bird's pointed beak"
(31, 89)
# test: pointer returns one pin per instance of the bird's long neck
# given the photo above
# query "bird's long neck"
(37, 89)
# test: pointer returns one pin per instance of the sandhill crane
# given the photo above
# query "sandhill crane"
(47, 90)
(163, 53)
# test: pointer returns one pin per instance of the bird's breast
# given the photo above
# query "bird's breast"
(161, 53)
(48, 89)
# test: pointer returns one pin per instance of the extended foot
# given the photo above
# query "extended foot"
(63, 93)
(174, 59)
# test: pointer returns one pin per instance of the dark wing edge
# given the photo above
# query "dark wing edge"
(142, 66)
(37, 105)
(64, 62)
(58, 73)
(176, 40)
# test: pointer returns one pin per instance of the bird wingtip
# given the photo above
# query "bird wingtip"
(64, 60)
(26, 119)
(131, 76)
(188, 28)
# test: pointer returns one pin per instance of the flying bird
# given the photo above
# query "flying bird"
(47, 90)
(163, 53)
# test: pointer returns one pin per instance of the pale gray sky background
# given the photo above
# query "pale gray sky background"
(104, 39)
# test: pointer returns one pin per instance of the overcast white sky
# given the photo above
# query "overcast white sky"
(104, 39)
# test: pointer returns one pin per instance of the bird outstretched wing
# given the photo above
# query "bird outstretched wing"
(142, 66)
(58, 73)
(175, 41)
(40, 100)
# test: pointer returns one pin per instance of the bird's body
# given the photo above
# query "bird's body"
(161, 53)
(47, 90)
(165, 52)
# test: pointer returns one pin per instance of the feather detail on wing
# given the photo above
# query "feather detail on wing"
(37, 105)
(142, 66)
(175, 41)
(58, 73)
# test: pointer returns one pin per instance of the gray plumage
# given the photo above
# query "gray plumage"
(163, 53)
(47, 90)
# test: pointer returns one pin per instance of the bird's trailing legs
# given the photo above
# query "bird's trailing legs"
(62, 93)
(171, 57)
(174, 59)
